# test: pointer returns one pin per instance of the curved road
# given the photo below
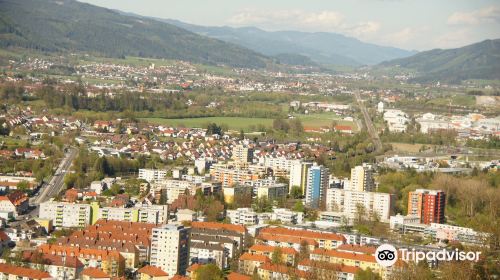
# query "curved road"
(369, 124)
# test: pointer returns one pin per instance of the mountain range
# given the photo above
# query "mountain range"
(320, 47)
(68, 25)
(477, 61)
(72, 26)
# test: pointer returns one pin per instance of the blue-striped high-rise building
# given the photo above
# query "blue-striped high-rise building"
(317, 183)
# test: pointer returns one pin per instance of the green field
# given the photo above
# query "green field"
(249, 124)
(233, 123)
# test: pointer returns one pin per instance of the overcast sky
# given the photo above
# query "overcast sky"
(409, 24)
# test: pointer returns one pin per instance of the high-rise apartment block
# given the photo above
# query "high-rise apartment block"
(298, 175)
(428, 205)
(170, 248)
(362, 178)
(317, 183)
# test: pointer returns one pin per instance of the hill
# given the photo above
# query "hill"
(476, 61)
(321, 47)
(68, 25)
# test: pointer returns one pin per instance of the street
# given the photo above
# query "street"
(369, 125)
(56, 184)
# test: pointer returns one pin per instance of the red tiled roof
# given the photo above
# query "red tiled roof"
(94, 272)
(270, 249)
(283, 269)
(237, 276)
(330, 266)
(23, 272)
(345, 255)
(256, 258)
(212, 225)
(303, 233)
(152, 271)
(357, 249)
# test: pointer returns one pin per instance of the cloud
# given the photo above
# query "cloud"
(365, 28)
(487, 14)
(326, 21)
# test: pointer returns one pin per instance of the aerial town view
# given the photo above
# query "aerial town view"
(250, 140)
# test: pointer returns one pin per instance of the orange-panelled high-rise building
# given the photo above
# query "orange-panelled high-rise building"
(428, 205)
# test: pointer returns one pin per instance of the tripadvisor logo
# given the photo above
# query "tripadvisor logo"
(386, 255)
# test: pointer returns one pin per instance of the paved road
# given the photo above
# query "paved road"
(56, 184)
(369, 124)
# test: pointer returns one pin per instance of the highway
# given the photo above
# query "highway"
(369, 124)
(56, 184)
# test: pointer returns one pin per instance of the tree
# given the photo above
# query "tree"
(303, 251)
(296, 192)
(209, 271)
(277, 256)
(368, 274)
(299, 207)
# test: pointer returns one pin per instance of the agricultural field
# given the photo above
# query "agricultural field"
(249, 124)
(232, 123)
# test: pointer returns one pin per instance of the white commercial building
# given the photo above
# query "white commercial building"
(396, 120)
(348, 202)
(170, 248)
(66, 215)
(152, 175)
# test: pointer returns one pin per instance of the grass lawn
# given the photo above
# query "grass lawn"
(457, 100)
(323, 119)
(233, 123)
(247, 124)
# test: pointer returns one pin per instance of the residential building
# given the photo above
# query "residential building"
(149, 272)
(317, 183)
(298, 175)
(242, 216)
(293, 238)
(237, 233)
(60, 267)
(14, 272)
(362, 178)
(170, 248)
(428, 205)
(110, 262)
(152, 175)
(242, 153)
(274, 192)
(247, 263)
(66, 215)
(350, 203)
(16, 202)
(288, 255)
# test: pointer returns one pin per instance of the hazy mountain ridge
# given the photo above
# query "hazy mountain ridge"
(477, 61)
(68, 25)
(321, 47)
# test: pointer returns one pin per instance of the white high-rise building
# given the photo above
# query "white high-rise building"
(170, 248)
(65, 214)
(348, 202)
(362, 178)
(152, 175)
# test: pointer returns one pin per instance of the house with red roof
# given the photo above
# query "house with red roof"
(8, 271)
(150, 272)
(16, 202)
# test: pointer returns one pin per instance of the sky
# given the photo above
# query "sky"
(409, 24)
